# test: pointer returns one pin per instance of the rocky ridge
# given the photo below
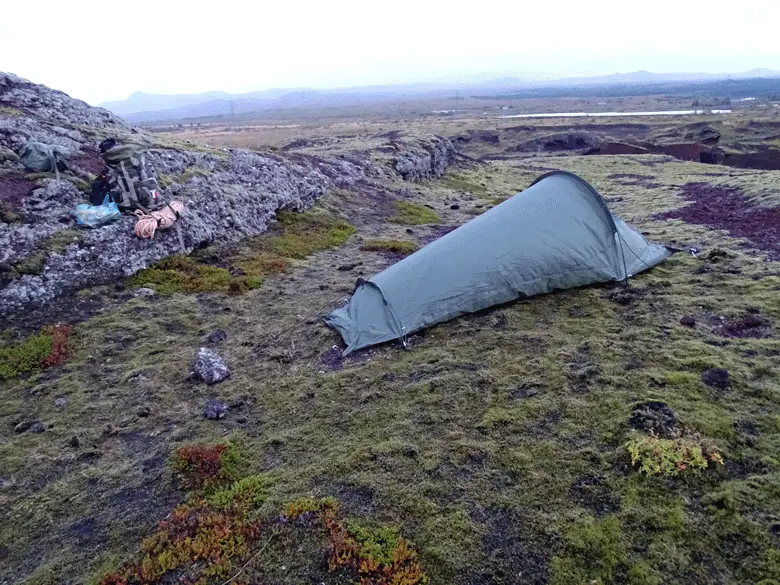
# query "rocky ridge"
(229, 194)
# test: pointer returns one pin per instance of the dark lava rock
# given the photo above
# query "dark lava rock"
(654, 417)
(216, 336)
(409, 231)
(32, 426)
(749, 325)
(716, 378)
(144, 411)
(74, 442)
(454, 207)
(348, 267)
(210, 367)
(688, 321)
(215, 409)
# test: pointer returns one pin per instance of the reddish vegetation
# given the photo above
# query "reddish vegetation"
(346, 552)
(725, 208)
(88, 160)
(59, 345)
(205, 466)
(13, 190)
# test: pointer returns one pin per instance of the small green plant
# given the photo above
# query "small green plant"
(396, 246)
(671, 457)
(413, 214)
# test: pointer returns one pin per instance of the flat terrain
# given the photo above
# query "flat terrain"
(499, 444)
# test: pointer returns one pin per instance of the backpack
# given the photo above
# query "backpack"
(38, 157)
(101, 188)
(131, 185)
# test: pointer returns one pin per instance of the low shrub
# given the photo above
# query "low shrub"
(671, 457)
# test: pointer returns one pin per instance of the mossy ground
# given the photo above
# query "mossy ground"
(497, 443)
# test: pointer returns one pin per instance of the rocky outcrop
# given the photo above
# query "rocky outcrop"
(228, 194)
(422, 157)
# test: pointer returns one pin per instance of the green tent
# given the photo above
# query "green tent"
(556, 234)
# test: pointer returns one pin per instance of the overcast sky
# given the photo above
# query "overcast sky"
(99, 51)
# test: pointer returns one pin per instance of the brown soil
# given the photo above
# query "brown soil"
(725, 208)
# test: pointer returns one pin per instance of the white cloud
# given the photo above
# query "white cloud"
(102, 50)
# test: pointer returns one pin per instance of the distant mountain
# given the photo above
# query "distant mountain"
(144, 107)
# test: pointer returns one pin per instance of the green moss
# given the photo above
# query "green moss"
(8, 214)
(190, 174)
(9, 111)
(81, 184)
(249, 492)
(25, 357)
(306, 233)
(465, 183)
(377, 543)
(164, 180)
(413, 214)
(177, 274)
(396, 246)
(595, 554)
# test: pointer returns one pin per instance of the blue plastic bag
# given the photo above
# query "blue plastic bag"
(96, 215)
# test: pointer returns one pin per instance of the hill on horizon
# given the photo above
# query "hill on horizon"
(146, 107)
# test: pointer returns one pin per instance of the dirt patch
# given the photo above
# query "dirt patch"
(437, 232)
(518, 552)
(593, 492)
(332, 359)
(726, 208)
(13, 190)
(654, 417)
(747, 326)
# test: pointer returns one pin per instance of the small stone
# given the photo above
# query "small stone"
(716, 378)
(409, 231)
(241, 420)
(144, 411)
(210, 367)
(37, 427)
(216, 336)
(61, 401)
(454, 207)
(688, 321)
(74, 442)
(348, 267)
(214, 409)
(27, 425)
(144, 292)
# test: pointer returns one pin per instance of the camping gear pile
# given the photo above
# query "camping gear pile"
(124, 186)
(557, 234)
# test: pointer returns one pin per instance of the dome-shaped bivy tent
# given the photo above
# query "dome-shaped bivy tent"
(556, 234)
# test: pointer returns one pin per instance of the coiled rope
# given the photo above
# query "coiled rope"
(148, 223)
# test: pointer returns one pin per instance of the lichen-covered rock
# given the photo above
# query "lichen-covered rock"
(215, 409)
(210, 367)
(425, 158)
(228, 194)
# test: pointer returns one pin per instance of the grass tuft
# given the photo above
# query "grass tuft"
(396, 246)
(407, 213)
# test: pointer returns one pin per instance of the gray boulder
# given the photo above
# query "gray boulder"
(210, 367)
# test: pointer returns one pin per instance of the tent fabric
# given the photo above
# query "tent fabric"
(557, 234)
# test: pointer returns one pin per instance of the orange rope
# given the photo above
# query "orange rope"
(149, 223)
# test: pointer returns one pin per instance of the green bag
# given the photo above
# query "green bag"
(132, 185)
(38, 157)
